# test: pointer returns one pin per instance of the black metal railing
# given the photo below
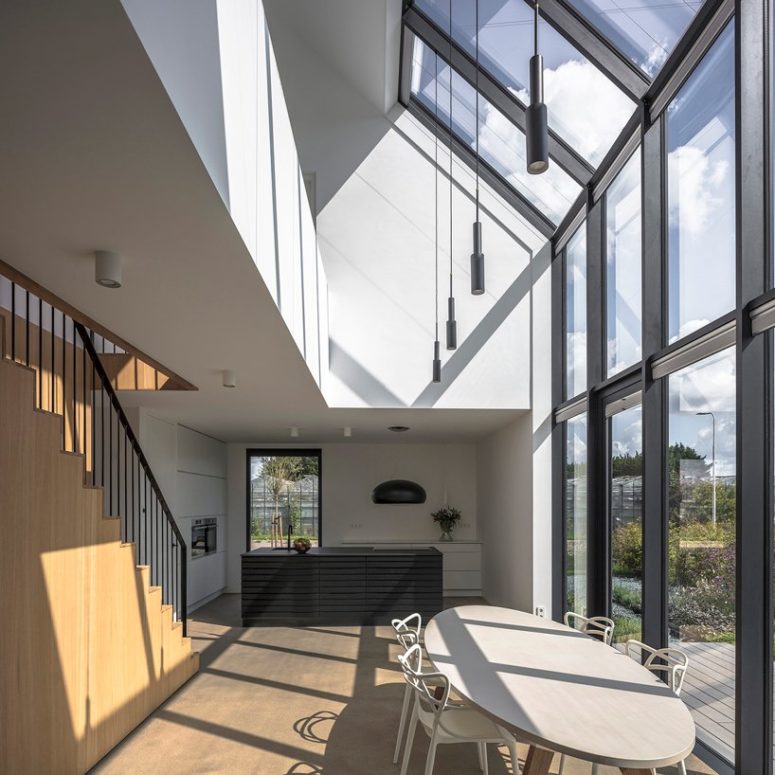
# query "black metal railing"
(71, 381)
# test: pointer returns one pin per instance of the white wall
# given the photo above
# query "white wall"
(216, 61)
(190, 469)
(350, 473)
(541, 429)
(505, 509)
(377, 239)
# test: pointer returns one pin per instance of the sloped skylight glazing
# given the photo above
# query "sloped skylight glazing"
(645, 31)
(585, 108)
(501, 143)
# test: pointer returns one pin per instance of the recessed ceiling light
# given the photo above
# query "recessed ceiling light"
(398, 428)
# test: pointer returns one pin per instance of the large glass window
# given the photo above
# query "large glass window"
(576, 514)
(283, 497)
(585, 107)
(701, 544)
(623, 268)
(625, 507)
(645, 32)
(701, 192)
(576, 314)
(501, 143)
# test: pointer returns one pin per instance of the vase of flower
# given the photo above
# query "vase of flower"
(446, 517)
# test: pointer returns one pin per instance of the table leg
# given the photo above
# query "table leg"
(538, 761)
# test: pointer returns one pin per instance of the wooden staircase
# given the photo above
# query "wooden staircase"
(87, 648)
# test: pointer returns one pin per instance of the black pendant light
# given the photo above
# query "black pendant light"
(436, 356)
(451, 322)
(477, 257)
(536, 124)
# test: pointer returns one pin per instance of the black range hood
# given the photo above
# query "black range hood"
(398, 491)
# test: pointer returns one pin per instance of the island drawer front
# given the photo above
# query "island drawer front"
(339, 589)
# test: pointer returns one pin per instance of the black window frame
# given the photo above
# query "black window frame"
(251, 452)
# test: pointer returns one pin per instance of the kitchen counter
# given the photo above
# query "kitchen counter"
(339, 585)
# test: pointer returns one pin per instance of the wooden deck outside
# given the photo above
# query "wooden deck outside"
(709, 692)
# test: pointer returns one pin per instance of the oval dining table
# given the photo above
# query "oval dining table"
(559, 690)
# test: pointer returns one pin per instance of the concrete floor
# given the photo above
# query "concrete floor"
(291, 701)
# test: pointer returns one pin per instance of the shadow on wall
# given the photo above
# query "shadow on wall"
(376, 394)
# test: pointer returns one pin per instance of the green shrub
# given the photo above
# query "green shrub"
(627, 549)
(627, 597)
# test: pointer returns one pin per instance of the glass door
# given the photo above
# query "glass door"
(625, 516)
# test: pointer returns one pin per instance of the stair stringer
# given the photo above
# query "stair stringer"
(88, 650)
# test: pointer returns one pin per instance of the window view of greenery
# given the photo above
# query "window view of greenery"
(284, 492)
(701, 539)
(576, 513)
(626, 520)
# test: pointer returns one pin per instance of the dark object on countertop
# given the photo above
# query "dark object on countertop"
(302, 545)
(398, 491)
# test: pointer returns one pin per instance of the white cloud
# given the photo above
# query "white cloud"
(657, 56)
(698, 188)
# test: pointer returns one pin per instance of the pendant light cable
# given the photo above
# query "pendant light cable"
(476, 86)
(436, 191)
(451, 322)
(436, 355)
(477, 257)
(450, 150)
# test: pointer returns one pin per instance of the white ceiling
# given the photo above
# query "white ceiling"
(94, 156)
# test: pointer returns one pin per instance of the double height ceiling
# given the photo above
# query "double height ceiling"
(600, 58)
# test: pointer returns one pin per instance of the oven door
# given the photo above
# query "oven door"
(198, 541)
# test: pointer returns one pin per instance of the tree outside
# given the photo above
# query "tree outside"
(284, 493)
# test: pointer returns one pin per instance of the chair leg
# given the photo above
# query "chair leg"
(483, 756)
(515, 768)
(682, 767)
(431, 760)
(562, 764)
(402, 723)
(595, 769)
(409, 740)
(479, 755)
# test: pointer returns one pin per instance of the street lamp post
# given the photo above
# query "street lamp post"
(713, 455)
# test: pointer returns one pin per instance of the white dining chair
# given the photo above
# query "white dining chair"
(444, 721)
(670, 664)
(596, 626)
(600, 627)
(408, 633)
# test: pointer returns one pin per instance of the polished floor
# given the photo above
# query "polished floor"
(291, 701)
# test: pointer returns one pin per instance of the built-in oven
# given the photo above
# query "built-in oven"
(204, 536)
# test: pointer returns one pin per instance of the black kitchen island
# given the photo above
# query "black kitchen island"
(339, 585)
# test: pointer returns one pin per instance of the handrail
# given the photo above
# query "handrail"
(58, 348)
(108, 387)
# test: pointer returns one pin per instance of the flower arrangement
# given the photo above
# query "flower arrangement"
(447, 517)
(302, 545)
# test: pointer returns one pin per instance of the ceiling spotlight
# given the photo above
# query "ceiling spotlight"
(398, 428)
(294, 433)
(229, 378)
(107, 268)
(348, 431)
